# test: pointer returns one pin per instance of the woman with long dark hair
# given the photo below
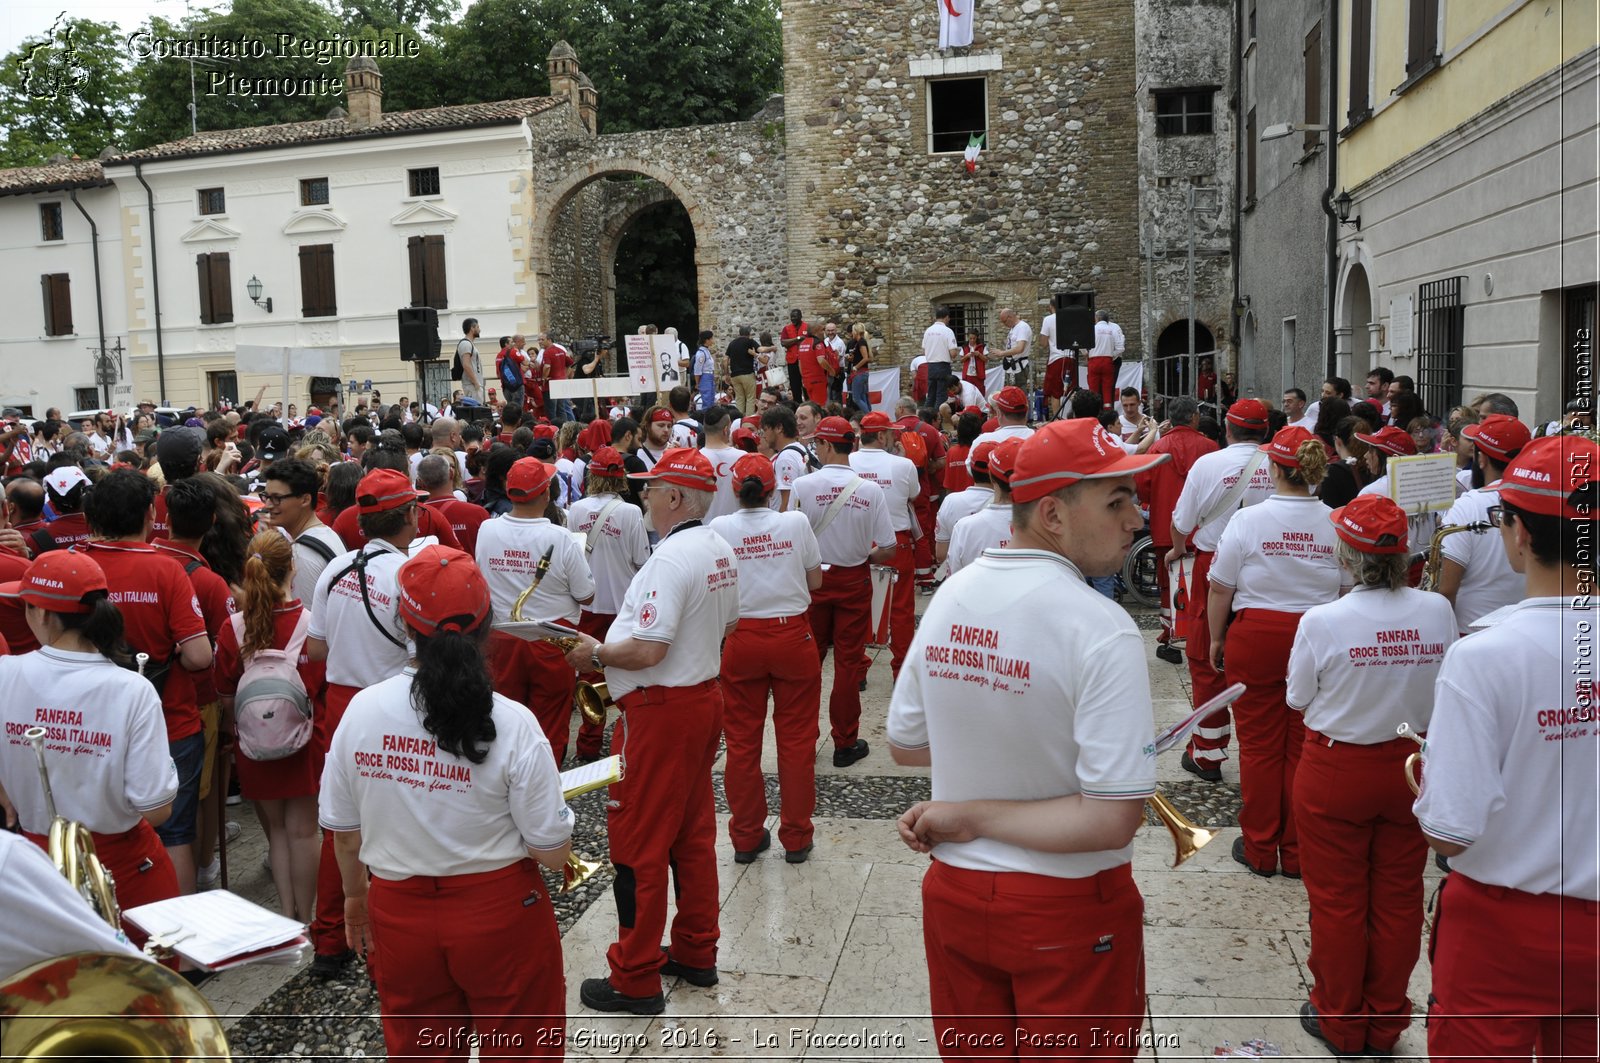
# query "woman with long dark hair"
(105, 745)
(448, 795)
(284, 791)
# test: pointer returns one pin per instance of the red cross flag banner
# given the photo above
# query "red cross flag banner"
(955, 22)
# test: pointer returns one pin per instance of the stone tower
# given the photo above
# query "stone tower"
(363, 86)
(884, 217)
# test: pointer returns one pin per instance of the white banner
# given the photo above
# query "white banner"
(994, 379)
(883, 389)
(1131, 375)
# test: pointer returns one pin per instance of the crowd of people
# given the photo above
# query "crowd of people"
(703, 558)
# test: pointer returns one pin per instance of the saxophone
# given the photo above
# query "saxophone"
(1435, 565)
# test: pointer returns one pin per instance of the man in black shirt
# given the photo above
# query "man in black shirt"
(742, 368)
(625, 437)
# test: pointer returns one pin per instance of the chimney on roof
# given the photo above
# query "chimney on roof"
(567, 80)
(363, 86)
(588, 102)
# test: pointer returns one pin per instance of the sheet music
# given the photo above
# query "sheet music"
(212, 927)
(593, 776)
(1180, 731)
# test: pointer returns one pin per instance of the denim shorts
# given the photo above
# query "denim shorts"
(188, 756)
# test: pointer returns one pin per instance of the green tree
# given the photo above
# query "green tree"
(68, 91)
(413, 14)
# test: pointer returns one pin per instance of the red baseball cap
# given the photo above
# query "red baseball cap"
(442, 590)
(1498, 435)
(973, 410)
(1554, 476)
(529, 480)
(58, 582)
(1003, 459)
(607, 461)
(876, 421)
(1390, 440)
(1010, 399)
(382, 490)
(1064, 452)
(1248, 413)
(979, 458)
(682, 467)
(1373, 524)
(756, 466)
(836, 430)
(545, 431)
(596, 434)
(1284, 448)
(660, 413)
(991, 424)
(745, 438)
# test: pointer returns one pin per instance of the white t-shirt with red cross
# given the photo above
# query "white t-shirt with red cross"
(788, 465)
(509, 551)
(359, 654)
(774, 551)
(616, 549)
(105, 744)
(1014, 709)
(1488, 582)
(959, 504)
(1366, 663)
(423, 811)
(1210, 477)
(1279, 555)
(686, 595)
(862, 524)
(1510, 764)
(987, 529)
(896, 476)
(726, 499)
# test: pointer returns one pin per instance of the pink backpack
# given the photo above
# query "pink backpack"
(271, 709)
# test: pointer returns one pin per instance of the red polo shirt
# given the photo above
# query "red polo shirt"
(216, 605)
(1160, 487)
(13, 611)
(464, 518)
(69, 529)
(347, 526)
(792, 331)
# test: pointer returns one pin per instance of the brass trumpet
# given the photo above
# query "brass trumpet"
(1188, 838)
(1414, 761)
(578, 871)
(593, 699)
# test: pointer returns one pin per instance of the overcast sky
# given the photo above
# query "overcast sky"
(20, 19)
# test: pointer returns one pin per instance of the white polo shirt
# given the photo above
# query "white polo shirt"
(1108, 340)
(686, 595)
(998, 436)
(509, 549)
(105, 742)
(727, 496)
(1364, 664)
(897, 477)
(774, 551)
(359, 655)
(620, 547)
(1021, 333)
(650, 457)
(987, 529)
(1047, 332)
(1511, 752)
(788, 465)
(1015, 709)
(959, 504)
(937, 343)
(1279, 555)
(308, 564)
(1209, 479)
(862, 524)
(1488, 581)
(423, 811)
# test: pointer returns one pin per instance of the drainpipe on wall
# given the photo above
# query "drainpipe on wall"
(99, 302)
(1234, 241)
(1331, 357)
(155, 282)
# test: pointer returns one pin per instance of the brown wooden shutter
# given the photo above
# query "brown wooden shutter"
(1360, 58)
(203, 266)
(317, 295)
(419, 274)
(1250, 156)
(308, 282)
(1422, 42)
(221, 288)
(57, 290)
(1313, 85)
(49, 306)
(433, 262)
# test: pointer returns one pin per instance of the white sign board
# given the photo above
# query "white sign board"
(591, 387)
(302, 361)
(1400, 324)
(1423, 483)
(641, 364)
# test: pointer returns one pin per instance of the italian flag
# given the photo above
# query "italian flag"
(974, 146)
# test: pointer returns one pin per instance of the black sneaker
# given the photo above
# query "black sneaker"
(329, 965)
(843, 758)
(1239, 857)
(862, 686)
(1208, 774)
(797, 856)
(748, 856)
(1313, 1026)
(597, 993)
(1170, 654)
(704, 977)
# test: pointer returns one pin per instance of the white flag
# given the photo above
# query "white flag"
(955, 22)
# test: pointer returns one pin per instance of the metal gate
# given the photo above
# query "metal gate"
(1439, 342)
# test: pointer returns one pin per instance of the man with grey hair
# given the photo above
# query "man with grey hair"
(1108, 346)
(435, 481)
(662, 657)
(1494, 402)
(1160, 488)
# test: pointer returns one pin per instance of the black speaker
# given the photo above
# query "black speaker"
(419, 334)
(1075, 324)
(483, 415)
(1084, 298)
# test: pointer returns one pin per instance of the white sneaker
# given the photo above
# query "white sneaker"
(207, 877)
(234, 830)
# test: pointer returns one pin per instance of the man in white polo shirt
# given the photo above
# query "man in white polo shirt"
(989, 527)
(1010, 405)
(1019, 337)
(1475, 574)
(897, 478)
(1041, 740)
(1509, 790)
(939, 348)
(849, 515)
(661, 659)
(964, 503)
(790, 458)
(1108, 347)
(718, 422)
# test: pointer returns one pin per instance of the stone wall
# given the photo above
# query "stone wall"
(879, 227)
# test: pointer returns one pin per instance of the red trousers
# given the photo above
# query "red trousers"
(139, 865)
(922, 547)
(1103, 379)
(902, 602)
(1362, 855)
(1209, 745)
(1029, 965)
(662, 815)
(591, 736)
(1270, 734)
(773, 657)
(839, 618)
(537, 675)
(1514, 973)
(469, 957)
(327, 929)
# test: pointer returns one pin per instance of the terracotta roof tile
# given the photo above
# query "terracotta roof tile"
(56, 176)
